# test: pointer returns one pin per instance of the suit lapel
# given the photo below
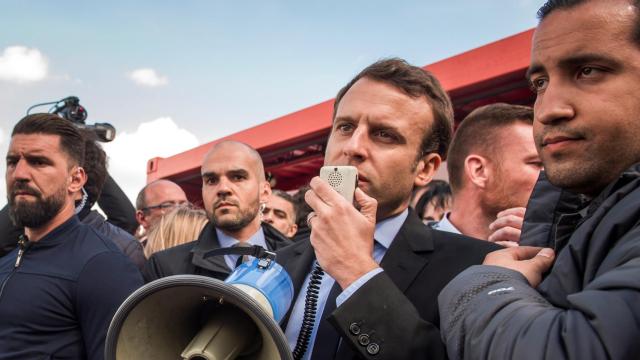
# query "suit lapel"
(409, 252)
(298, 266)
(207, 241)
(406, 257)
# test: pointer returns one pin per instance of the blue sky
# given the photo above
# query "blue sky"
(174, 74)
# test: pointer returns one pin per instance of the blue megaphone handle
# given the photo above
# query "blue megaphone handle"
(272, 281)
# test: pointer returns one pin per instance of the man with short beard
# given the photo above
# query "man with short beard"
(234, 190)
(97, 177)
(56, 299)
(581, 299)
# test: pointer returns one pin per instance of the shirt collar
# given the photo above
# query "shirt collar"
(228, 241)
(445, 225)
(387, 229)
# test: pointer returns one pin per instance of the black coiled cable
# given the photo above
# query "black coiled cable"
(310, 310)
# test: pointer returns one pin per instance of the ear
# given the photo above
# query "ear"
(265, 191)
(477, 170)
(426, 169)
(293, 229)
(141, 219)
(77, 179)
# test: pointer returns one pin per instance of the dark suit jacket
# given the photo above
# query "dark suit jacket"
(396, 309)
(189, 258)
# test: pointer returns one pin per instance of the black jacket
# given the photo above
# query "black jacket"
(548, 207)
(9, 233)
(587, 307)
(117, 206)
(58, 300)
(188, 258)
(126, 242)
(397, 308)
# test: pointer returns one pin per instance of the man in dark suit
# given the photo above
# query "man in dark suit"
(383, 268)
(234, 190)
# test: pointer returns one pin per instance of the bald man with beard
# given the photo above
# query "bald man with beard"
(234, 189)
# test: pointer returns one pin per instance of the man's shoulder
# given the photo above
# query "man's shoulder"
(293, 249)
(171, 261)
(174, 253)
(290, 257)
(445, 240)
(84, 250)
(118, 235)
(447, 249)
(275, 239)
(453, 241)
(89, 241)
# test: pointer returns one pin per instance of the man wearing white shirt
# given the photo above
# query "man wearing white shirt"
(233, 191)
(493, 165)
(376, 271)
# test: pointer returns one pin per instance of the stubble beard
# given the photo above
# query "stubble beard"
(242, 218)
(584, 177)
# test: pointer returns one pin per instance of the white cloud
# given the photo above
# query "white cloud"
(22, 65)
(129, 152)
(148, 77)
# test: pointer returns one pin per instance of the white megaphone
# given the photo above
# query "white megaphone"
(200, 318)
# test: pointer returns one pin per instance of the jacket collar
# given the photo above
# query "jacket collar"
(408, 253)
(56, 235)
(208, 240)
(403, 260)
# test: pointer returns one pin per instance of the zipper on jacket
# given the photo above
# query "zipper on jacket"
(23, 245)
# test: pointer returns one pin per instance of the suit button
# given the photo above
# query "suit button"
(373, 349)
(363, 339)
(354, 328)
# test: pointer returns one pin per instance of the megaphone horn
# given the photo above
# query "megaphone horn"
(200, 318)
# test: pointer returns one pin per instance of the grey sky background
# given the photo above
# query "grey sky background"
(171, 75)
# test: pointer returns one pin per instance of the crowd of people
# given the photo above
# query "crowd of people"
(531, 251)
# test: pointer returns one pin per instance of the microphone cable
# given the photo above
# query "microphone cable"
(310, 310)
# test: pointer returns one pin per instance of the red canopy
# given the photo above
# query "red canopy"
(292, 145)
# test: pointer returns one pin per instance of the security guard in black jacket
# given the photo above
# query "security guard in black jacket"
(234, 190)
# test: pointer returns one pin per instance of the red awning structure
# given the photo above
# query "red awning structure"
(292, 146)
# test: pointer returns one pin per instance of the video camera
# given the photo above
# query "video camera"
(69, 108)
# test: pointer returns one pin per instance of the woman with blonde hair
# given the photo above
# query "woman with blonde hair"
(181, 225)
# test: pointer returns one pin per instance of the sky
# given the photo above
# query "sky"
(170, 75)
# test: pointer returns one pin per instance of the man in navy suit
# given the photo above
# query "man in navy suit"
(382, 267)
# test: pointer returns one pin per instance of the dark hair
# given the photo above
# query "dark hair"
(302, 208)
(95, 166)
(71, 139)
(415, 82)
(479, 133)
(552, 5)
(284, 195)
(438, 192)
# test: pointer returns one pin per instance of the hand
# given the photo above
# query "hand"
(507, 227)
(530, 261)
(342, 236)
